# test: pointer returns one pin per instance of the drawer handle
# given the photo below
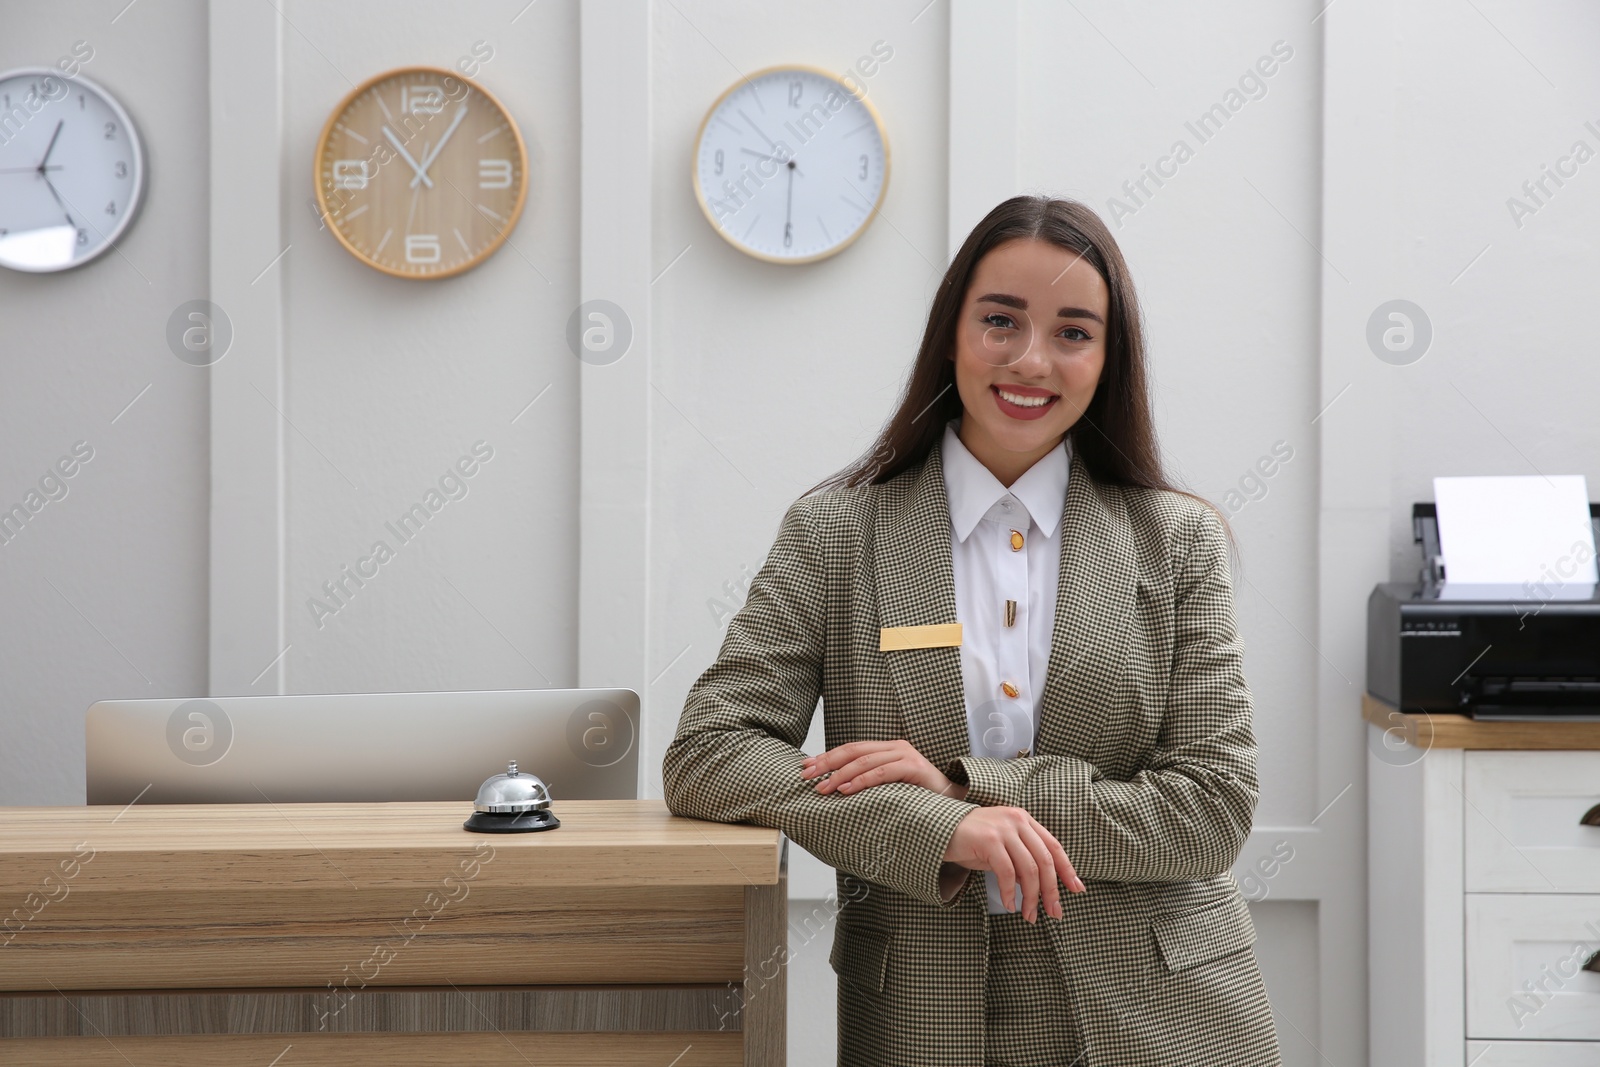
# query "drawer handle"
(1591, 817)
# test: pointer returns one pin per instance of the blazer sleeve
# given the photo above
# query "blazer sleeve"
(1187, 813)
(736, 756)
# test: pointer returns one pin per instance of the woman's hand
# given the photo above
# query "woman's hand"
(860, 764)
(1017, 848)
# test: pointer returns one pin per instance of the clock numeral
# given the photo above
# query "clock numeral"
(794, 93)
(121, 169)
(863, 174)
(494, 174)
(421, 99)
(719, 161)
(350, 174)
(83, 237)
(81, 104)
(111, 208)
(111, 131)
(422, 248)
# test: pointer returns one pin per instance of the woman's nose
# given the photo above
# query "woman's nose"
(1036, 356)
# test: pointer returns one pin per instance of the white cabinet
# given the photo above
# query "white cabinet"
(1525, 976)
(1483, 906)
(1532, 1054)
(1524, 828)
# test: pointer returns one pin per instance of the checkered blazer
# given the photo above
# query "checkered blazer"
(1145, 770)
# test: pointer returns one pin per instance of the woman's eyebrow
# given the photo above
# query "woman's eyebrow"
(1021, 304)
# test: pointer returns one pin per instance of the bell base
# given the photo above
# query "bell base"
(511, 822)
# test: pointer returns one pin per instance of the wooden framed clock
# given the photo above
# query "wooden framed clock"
(791, 165)
(421, 173)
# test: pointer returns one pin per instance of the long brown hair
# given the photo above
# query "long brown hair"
(1115, 436)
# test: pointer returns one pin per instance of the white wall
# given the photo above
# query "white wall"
(389, 381)
(104, 591)
(1377, 164)
(1487, 104)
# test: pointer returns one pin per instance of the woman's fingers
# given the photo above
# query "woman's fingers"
(1027, 873)
(1049, 897)
(1021, 852)
(1027, 859)
(862, 765)
(1063, 866)
(998, 858)
(868, 763)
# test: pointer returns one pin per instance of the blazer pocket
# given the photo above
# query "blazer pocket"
(860, 955)
(1203, 934)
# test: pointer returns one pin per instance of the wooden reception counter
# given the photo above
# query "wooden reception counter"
(357, 933)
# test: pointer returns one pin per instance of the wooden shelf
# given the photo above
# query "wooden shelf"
(1426, 730)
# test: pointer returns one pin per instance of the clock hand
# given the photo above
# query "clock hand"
(422, 172)
(59, 202)
(387, 132)
(30, 170)
(52, 146)
(759, 133)
(768, 159)
(412, 213)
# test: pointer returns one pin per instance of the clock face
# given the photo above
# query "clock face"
(71, 170)
(790, 165)
(421, 173)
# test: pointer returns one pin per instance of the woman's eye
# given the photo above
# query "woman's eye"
(1005, 320)
(1074, 333)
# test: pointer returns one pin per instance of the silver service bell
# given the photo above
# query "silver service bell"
(515, 802)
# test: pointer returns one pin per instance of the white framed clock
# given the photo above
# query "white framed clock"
(790, 165)
(71, 170)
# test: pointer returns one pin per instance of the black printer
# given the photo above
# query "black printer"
(1494, 652)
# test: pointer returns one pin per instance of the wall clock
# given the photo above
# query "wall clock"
(790, 165)
(421, 173)
(71, 170)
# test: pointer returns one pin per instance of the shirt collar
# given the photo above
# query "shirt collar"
(972, 489)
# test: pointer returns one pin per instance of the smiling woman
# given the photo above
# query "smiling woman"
(1055, 697)
(1040, 300)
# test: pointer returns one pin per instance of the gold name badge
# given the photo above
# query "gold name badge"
(943, 635)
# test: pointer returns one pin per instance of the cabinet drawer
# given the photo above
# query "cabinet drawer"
(1525, 976)
(1524, 832)
(1533, 1053)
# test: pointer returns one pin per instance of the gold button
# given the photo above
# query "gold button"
(1016, 540)
(1011, 613)
(1009, 689)
(1022, 752)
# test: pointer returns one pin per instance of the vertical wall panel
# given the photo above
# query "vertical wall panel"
(103, 592)
(390, 381)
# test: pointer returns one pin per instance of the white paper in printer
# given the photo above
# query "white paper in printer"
(1533, 532)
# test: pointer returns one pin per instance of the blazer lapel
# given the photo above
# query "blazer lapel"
(1095, 590)
(1096, 582)
(916, 587)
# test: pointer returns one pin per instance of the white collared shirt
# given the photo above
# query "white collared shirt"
(987, 520)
